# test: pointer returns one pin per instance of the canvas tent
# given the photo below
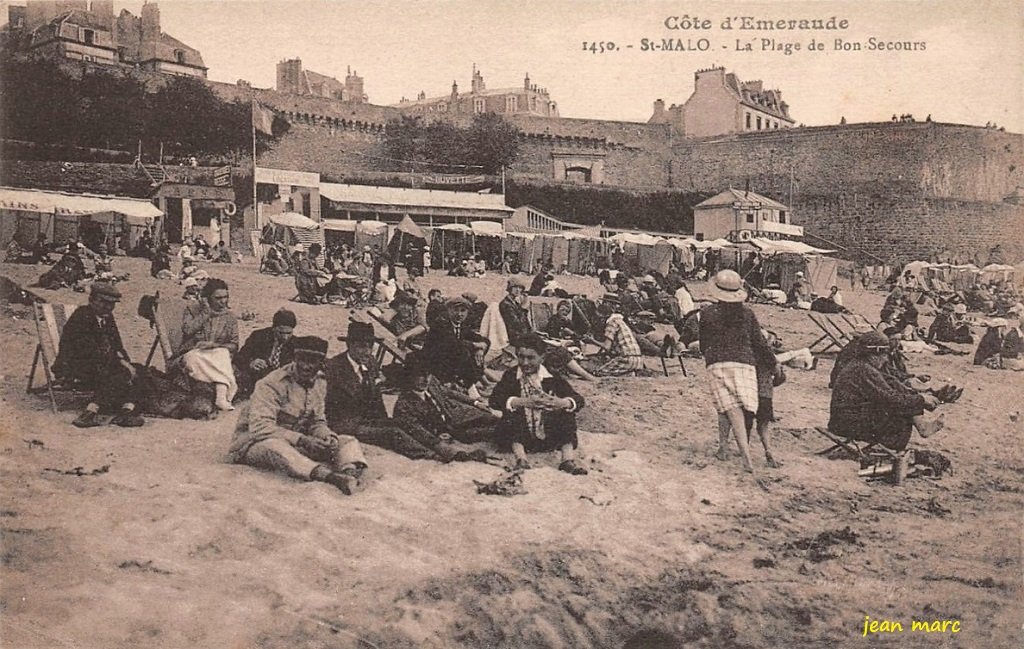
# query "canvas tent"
(25, 213)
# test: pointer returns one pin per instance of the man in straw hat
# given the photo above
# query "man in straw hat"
(92, 357)
(870, 405)
(283, 427)
(733, 346)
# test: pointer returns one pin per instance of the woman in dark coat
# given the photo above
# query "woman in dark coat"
(538, 408)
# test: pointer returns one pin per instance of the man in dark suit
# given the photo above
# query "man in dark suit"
(437, 417)
(354, 404)
(448, 346)
(264, 351)
(92, 357)
(538, 408)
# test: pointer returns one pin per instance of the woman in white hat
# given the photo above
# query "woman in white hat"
(733, 347)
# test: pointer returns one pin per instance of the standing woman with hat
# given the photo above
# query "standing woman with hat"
(733, 345)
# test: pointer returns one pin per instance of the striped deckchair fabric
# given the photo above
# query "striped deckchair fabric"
(50, 320)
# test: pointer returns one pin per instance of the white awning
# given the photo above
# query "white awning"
(137, 211)
(454, 227)
(294, 220)
(339, 225)
(487, 228)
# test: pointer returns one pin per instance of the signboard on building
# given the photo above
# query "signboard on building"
(450, 179)
(222, 176)
(287, 177)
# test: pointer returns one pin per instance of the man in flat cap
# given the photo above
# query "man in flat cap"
(355, 405)
(92, 357)
(868, 404)
(264, 351)
(448, 348)
(283, 428)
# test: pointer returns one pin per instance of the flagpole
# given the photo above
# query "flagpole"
(502, 180)
(255, 204)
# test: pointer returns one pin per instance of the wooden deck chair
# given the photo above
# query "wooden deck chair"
(168, 314)
(835, 334)
(867, 453)
(540, 314)
(857, 322)
(50, 320)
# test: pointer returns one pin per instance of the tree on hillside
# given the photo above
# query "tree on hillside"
(487, 145)
(493, 143)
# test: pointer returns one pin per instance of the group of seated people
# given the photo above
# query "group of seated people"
(306, 414)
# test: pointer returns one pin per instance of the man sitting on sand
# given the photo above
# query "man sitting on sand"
(426, 412)
(284, 428)
(538, 408)
(950, 326)
(92, 357)
(870, 405)
(264, 351)
(354, 403)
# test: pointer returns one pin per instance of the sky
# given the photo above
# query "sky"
(971, 68)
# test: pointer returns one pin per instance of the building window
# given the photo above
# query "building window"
(750, 217)
(307, 204)
(179, 56)
(442, 107)
(88, 36)
(748, 121)
(511, 104)
(478, 105)
(782, 216)
(776, 125)
(759, 123)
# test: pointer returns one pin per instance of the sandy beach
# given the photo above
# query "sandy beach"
(161, 543)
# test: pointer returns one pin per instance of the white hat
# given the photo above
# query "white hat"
(960, 308)
(728, 287)
(997, 322)
(299, 248)
(189, 282)
(648, 279)
(799, 273)
(201, 274)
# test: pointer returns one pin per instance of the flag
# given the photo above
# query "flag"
(486, 190)
(262, 118)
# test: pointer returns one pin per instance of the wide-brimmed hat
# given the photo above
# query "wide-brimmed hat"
(299, 248)
(646, 315)
(960, 308)
(105, 291)
(360, 332)
(648, 279)
(512, 283)
(728, 287)
(189, 282)
(997, 322)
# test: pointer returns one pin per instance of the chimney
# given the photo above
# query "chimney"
(526, 82)
(150, 22)
(104, 11)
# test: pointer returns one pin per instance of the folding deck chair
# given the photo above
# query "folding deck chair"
(867, 453)
(838, 332)
(540, 314)
(50, 320)
(166, 319)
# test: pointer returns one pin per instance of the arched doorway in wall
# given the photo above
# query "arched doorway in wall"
(578, 174)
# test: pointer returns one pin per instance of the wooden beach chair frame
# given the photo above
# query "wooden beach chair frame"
(50, 320)
(838, 332)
